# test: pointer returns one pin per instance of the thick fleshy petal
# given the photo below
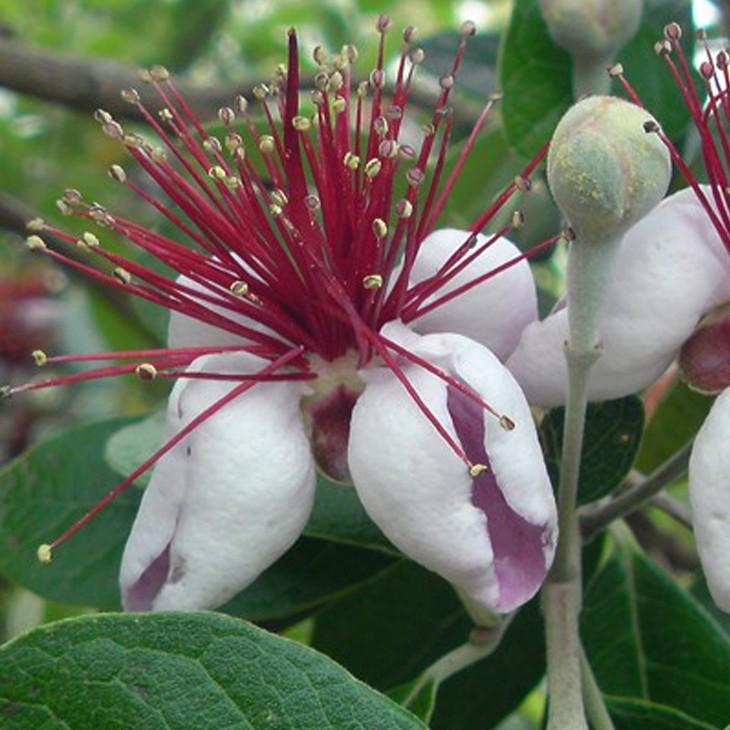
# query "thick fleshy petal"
(492, 536)
(672, 269)
(227, 501)
(493, 313)
(709, 493)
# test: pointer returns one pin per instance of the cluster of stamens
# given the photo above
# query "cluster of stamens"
(307, 228)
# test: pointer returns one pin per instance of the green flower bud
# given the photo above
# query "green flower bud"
(591, 28)
(604, 170)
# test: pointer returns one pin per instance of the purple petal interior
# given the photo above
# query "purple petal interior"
(141, 595)
(331, 431)
(519, 561)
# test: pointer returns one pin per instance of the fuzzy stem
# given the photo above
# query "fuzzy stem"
(595, 705)
(590, 76)
(594, 520)
(481, 644)
(590, 268)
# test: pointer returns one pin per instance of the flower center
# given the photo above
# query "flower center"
(328, 409)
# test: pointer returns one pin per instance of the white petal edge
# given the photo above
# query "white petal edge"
(672, 269)
(413, 485)
(709, 494)
(493, 313)
(228, 500)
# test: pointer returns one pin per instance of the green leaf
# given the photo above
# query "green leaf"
(612, 435)
(132, 445)
(650, 642)
(338, 515)
(389, 630)
(640, 715)
(648, 73)
(49, 487)
(535, 76)
(181, 671)
(422, 704)
(673, 424)
(42, 493)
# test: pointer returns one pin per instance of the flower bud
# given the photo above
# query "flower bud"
(704, 359)
(591, 28)
(605, 171)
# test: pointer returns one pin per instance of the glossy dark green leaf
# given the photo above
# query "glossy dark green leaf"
(675, 421)
(535, 76)
(650, 642)
(49, 487)
(420, 700)
(647, 72)
(640, 715)
(42, 493)
(180, 671)
(338, 515)
(388, 631)
(612, 436)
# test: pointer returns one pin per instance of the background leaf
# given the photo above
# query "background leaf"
(651, 644)
(612, 436)
(389, 630)
(177, 671)
(42, 493)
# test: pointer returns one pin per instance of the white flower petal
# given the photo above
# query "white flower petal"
(420, 493)
(227, 501)
(709, 493)
(672, 269)
(184, 331)
(493, 313)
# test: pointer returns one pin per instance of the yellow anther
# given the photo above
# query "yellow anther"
(122, 275)
(232, 182)
(476, 469)
(165, 115)
(301, 124)
(351, 161)
(212, 145)
(146, 371)
(380, 228)
(159, 73)
(89, 239)
(275, 210)
(261, 91)
(404, 208)
(44, 554)
(266, 144)
(373, 167)
(339, 105)
(159, 155)
(278, 197)
(507, 423)
(518, 218)
(116, 172)
(372, 281)
(239, 288)
(217, 173)
(523, 184)
(131, 96)
(36, 224)
(35, 243)
(40, 358)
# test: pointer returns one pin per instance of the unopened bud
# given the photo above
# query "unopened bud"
(605, 172)
(594, 29)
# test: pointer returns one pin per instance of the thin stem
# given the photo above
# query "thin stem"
(590, 76)
(674, 508)
(594, 520)
(595, 705)
(561, 605)
(482, 643)
(590, 269)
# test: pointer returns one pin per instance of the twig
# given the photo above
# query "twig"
(86, 84)
(593, 520)
(674, 508)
